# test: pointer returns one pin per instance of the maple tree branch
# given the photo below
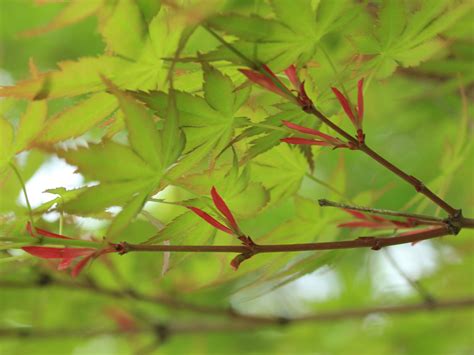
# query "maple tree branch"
(374, 243)
(201, 327)
(416, 183)
(46, 280)
(419, 186)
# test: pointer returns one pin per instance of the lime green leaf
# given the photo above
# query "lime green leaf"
(96, 198)
(280, 170)
(250, 201)
(444, 21)
(190, 160)
(271, 137)
(142, 133)
(392, 22)
(421, 18)
(172, 138)
(63, 197)
(73, 12)
(418, 54)
(129, 211)
(297, 14)
(73, 78)
(124, 29)
(108, 161)
(334, 15)
(253, 28)
(149, 8)
(187, 228)
(241, 97)
(6, 142)
(218, 90)
(31, 124)
(78, 119)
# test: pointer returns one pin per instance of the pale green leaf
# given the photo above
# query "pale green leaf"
(72, 79)
(97, 198)
(297, 15)
(6, 142)
(126, 215)
(418, 54)
(108, 161)
(73, 12)
(31, 124)
(124, 29)
(78, 119)
(253, 28)
(172, 137)
(218, 90)
(280, 170)
(142, 133)
(392, 22)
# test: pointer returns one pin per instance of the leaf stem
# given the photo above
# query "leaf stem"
(421, 217)
(51, 241)
(25, 193)
(417, 286)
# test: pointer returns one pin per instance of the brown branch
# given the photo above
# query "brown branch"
(374, 243)
(416, 183)
(164, 301)
(404, 309)
(190, 328)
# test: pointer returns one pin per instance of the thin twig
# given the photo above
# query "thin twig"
(421, 217)
(415, 182)
(416, 285)
(25, 193)
(374, 243)
(218, 327)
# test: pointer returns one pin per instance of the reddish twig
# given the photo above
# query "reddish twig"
(374, 243)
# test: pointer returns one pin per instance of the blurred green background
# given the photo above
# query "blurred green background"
(415, 117)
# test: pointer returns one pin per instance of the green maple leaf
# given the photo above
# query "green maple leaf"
(292, 37)
(208, 122)
(280, 170)
(404, 39)
(138, 64)
(127, 174)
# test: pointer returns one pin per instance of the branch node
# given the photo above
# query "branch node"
(373, 242)
(377, 245)
(283, 321)
(44, 280)
(454, 222)
(162, 332)
(122, 248)
(323, 202)
(418, 184)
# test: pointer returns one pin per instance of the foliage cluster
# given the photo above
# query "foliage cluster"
(148, 101)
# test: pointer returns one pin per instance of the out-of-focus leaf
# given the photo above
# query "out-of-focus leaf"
(31, 123)
(125, 216)
(73, 12)
(6, 142)
(126, 40)
(142, 133)
(96, 198)
(77, 119)
(108, 161)
(280, 170)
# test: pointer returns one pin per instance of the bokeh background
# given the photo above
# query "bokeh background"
(417, 117)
